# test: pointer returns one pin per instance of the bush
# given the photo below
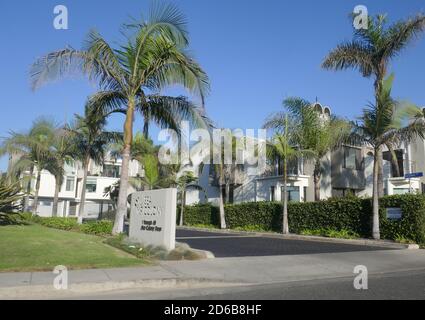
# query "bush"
(349, 216)
(200, 214)
(329, 233)
(100, 228)
(10, 195)
(57, 223)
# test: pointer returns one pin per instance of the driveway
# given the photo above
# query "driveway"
(225, 245)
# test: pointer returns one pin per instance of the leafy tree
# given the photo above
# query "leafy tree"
(131, 76)
(10, 199)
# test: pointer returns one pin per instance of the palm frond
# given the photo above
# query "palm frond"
(351, 55)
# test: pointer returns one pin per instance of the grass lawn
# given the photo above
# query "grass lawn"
(37, 248)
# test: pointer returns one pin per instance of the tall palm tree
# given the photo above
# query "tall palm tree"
(280, 148)
(90, 140)
(63, 152)
(311, 131)
(371, 52)
(132, 75)
(382, 124)
(33, 154)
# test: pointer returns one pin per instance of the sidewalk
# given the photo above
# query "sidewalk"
(209, 273)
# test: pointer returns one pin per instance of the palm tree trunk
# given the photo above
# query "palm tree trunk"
(227, 192)
(83, 190)
(380, 169)
(378, 89)
(122, 197)
(316, 175)
(375, 226)
(56, 197)
(37, 190)
(182, 207)
(27, 196)
(222, 213)
(285, 199)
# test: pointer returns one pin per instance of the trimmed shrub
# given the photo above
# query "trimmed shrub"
(349, 216)
(100, 228)
(200, 214)
(57, 223)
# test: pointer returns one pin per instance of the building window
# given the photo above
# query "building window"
(305, 194)
(293, 194)
(398, 191)
(352, 158)
(70, 183)
(272, 193)
(342, 193)
(45, 203)
(91, 186)
(400, 163)
(111, 171)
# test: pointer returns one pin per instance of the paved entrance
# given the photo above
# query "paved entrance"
(224, 245)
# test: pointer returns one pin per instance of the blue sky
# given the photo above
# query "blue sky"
(255, 52)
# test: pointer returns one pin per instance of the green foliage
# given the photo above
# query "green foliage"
(346, 217)
(10, 200)
(67, 224)
(252, 228)
(100, 228)
(201, 214)
(330, 233)
(182, 251)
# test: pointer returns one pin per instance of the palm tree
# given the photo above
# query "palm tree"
(311, 131)
(90, 140)
(281, 149)
(63, 153)
(186, 180)
(131, 76)
(33, 152)
(383, 124)
(371, 52)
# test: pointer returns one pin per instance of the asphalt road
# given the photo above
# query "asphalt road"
(393, 286)
(224, 245)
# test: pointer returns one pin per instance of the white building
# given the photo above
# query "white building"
(346, 170)
(99, 178)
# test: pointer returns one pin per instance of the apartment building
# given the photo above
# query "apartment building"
(346, 170)
(99, 178)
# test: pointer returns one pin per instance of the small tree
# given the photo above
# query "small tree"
(281, 149)
(63, 152)
(186, 180)
(91, 141)
(33, 152)
(382, 124)
(311, 131)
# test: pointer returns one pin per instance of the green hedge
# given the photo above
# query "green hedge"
(57, 223)
(349, 214)
(102, 228)
(205, 214)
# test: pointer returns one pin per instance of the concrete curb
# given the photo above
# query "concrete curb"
(49, 292)
(364, 242)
